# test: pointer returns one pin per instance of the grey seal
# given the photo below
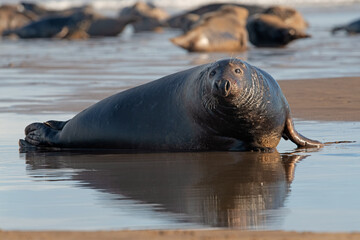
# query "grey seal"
(351, 28)
(12, 17)
(227, 105)
(149, 17)
(290, 16)
(58, 26)
(221, 30)
(268, 30)
(79, 25)
(178, 20)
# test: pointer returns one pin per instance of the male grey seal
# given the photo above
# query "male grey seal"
(225, 105)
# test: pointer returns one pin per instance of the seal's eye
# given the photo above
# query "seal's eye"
(212, 73)
(238, 70)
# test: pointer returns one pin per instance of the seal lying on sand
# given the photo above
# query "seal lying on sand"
(80, 25)
(54, 26)
(178, 21)
(149, 17)
(11, 17)
(351, 28)
(268, 30)
(108, 27)
(290, 16)
(225, 105)
(221, 30)
(41, 11)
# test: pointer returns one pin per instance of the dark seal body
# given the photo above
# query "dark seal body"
(225, 105)
(177, 21)
(268, 30)
(148, 16)
(351, 28)
(56, 26)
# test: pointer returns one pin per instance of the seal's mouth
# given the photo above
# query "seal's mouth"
(222, 87)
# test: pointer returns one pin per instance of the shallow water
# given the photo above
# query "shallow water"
(289, 190)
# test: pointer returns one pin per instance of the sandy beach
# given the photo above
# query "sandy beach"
(325, 99)
(177, 235)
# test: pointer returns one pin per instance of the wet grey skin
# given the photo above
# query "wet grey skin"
(227, 105)
(51, 26)
(351, 28)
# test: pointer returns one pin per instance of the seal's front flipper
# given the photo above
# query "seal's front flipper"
(24, 145)
(41, 135)
(297, 138)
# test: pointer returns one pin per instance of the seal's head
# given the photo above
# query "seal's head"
(234, 82)
(243, 106)
(226, 78)
(245, 103)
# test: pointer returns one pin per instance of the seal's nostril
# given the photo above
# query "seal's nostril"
(222, 87)
(227, 86)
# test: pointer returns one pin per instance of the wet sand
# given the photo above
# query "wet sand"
(176, 234)
(326, 99)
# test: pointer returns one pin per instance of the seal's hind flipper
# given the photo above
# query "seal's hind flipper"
(336, 29)
(41, 134)
(301, 141)
(57, 125)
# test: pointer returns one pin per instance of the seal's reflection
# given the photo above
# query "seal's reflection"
(219, 189)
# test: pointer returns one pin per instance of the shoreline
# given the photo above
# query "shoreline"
(174, 235)
(319, 99)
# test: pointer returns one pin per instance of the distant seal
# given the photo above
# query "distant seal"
(149, 17)
(78, 25)
(178, 21)
(188, 21)
(55, 26)
(108, 27)
(268, 30)
(351, 28)
(290, 16)
(40, 11)
(221, 30)
(12, 17)
(225, 105)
